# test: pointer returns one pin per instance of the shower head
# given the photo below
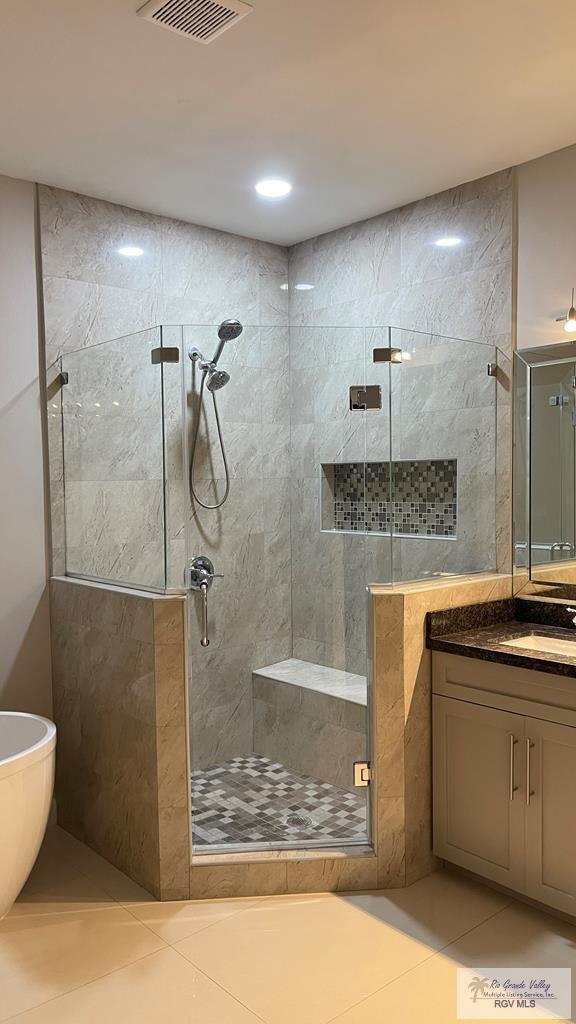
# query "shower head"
(228, 331)
(217, 379)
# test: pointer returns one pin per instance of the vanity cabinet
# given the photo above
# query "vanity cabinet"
(505, 779)
(478, 802)
(551, 814)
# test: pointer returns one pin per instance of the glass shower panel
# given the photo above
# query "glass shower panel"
(279, 698)
(443, 400)
(112, 429)
(379, 425)
(55, 467)
(175, 487)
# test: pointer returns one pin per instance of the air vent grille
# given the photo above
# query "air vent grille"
(202, 20)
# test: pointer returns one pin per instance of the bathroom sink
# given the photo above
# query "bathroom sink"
(546, 644)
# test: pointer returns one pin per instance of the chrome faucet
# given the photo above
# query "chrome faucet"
(561, 545)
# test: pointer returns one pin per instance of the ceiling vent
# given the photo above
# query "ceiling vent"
(202, 20)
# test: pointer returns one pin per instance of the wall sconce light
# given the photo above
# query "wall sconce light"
(570, 319)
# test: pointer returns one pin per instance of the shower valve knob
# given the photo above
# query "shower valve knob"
(200, 573)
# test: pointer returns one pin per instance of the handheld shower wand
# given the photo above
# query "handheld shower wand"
(229, 330)
(213, 379)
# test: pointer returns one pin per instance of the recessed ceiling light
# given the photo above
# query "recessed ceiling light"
(130, 250)
(447, 243)
(284, 287)
(273, 188)
(303, 287)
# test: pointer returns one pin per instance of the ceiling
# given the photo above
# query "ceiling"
(363, 104)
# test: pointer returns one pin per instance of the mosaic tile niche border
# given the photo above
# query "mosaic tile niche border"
(408, 498)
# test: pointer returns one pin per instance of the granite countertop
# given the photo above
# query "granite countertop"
(479, 631)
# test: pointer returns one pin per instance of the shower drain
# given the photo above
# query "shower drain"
(298, 821)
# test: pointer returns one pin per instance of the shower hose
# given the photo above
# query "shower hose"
(193, 493)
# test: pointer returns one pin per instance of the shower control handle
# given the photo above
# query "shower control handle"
(199, 576)
(204, 641)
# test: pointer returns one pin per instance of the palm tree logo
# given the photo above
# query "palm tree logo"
(478, 986)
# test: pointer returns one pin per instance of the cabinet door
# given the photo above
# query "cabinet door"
(550, 752)
(479, 794)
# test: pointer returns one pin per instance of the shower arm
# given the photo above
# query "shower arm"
(198, 357)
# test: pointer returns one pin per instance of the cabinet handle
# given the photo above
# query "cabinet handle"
(513, 788)
(529, 792)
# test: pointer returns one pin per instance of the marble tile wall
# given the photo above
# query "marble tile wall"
(120, 706)
(440, 404)
(115, 513)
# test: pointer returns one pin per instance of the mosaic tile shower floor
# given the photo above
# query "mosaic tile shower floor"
(254, 800)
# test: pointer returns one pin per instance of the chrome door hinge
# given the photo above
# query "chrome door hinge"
(165, 354)
(367, 396)
(387, 355)
(362, 773)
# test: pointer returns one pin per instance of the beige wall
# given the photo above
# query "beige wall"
(24, 628)
(546, 259)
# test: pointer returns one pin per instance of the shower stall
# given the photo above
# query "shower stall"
(274, 484)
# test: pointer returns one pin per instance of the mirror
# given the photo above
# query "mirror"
(544, 465)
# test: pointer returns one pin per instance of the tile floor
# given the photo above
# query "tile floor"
(85, 945)
(256, 801)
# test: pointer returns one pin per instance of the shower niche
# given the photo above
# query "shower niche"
(406, 498)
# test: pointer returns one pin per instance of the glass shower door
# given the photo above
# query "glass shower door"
(279, 701)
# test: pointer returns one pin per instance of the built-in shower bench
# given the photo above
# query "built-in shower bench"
(311, 718)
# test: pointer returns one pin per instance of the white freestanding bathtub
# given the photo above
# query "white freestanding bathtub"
(27, 755)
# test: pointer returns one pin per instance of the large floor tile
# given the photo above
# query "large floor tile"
(44, 956)
(435, 910)
(324, 953)
(176, 921)
(302, 960)
(516, 936)
(160, 988)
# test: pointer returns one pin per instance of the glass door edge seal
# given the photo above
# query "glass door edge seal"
(247, 848)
